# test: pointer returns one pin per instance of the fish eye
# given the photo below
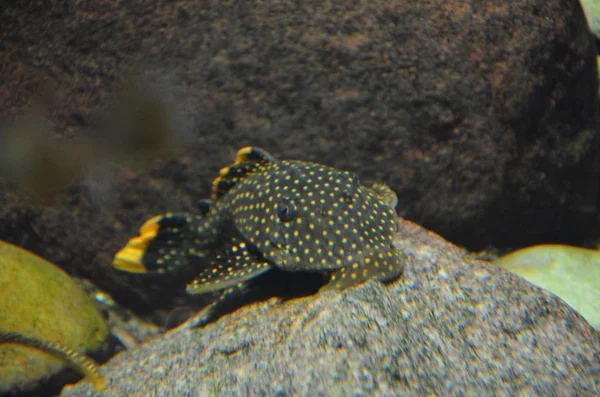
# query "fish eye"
(287, 210)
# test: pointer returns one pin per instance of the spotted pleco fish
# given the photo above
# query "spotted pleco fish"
(265, 213)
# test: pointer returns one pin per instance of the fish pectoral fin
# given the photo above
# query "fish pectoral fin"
(235, 265)
(164, 243)
(382, 265)
(211, 311)
(386, 194)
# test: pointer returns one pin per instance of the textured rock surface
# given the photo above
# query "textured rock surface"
(480, 115)
(39, 300)
(450, 326)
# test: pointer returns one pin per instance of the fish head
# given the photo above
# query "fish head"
(307, 216)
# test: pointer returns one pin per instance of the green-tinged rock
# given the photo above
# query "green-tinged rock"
(592, 13)
(598, 69)
(39, 300)
(571, 273)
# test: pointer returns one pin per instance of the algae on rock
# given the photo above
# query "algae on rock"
(39, 300)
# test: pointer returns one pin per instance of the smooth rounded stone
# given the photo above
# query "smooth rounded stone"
(571, 273)
(592, 13)
(451, 325)
(480, 115)
(39, 300)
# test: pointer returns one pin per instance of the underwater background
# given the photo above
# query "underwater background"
(482, 118)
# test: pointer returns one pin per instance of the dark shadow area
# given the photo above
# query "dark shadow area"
(285, 285)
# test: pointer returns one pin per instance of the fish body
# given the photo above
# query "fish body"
(265, 213)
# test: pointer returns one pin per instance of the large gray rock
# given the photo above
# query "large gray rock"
(481, 115)
(451, 326)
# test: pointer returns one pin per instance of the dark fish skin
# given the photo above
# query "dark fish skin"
(265, 213)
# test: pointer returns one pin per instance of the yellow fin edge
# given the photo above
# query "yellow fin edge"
(241, 156)
(129, 258)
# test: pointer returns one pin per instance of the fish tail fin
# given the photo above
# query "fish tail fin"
(165, 243)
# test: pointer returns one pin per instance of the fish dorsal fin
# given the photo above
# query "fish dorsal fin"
(249, 160)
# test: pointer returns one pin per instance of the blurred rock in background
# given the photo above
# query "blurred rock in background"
(481, 116)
